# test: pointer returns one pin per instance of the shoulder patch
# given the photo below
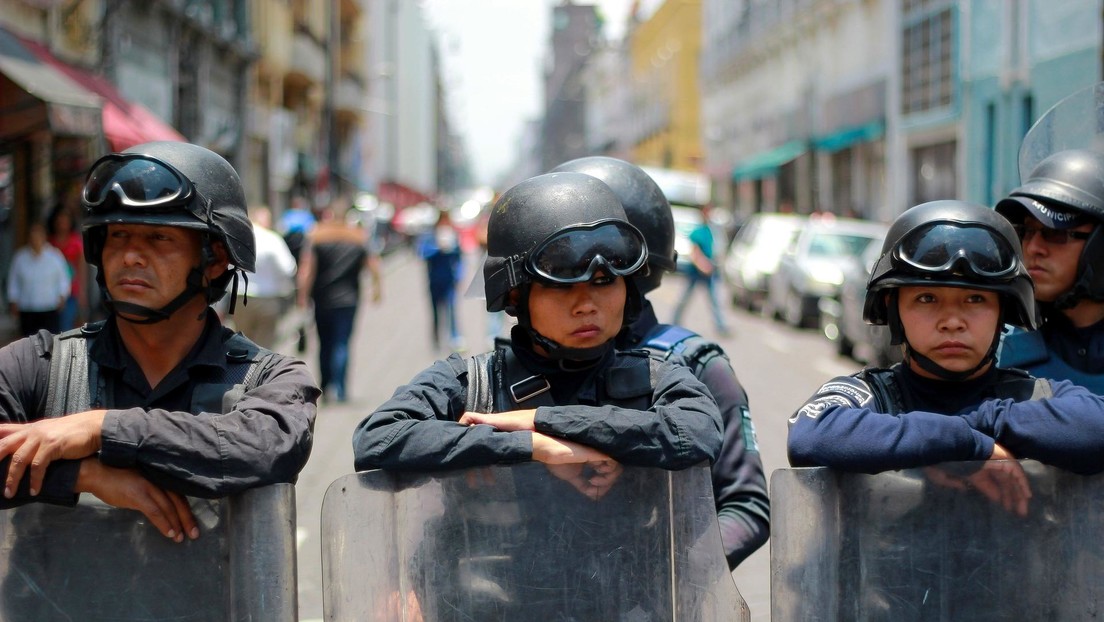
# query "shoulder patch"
(854, 389)
(848, 392)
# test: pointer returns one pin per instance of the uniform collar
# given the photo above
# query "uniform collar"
(108, 351)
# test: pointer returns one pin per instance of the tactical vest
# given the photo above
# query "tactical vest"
(1013, 384)
(671, 341)
(76, 384)
(1028, 350)
(498, 382)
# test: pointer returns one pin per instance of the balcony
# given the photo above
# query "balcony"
(308, 59)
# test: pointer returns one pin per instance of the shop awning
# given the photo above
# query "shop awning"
(125, 123)
(844, 138)
(35, 96)
(765, 164)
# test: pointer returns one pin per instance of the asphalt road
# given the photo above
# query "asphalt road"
(779, 366)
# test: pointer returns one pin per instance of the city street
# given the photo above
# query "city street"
(780, 368)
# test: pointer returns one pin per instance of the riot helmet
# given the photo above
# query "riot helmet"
(645, 205)
(559, 228)
(1064, 190)
(172, 184)
(950, 244)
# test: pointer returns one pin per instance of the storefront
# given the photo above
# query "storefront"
(55, 120)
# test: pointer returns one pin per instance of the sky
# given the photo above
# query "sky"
(491, 54)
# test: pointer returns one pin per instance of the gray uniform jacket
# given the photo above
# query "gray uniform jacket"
(263, 437)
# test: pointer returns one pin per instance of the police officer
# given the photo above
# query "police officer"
(950, 275)
(1057, 212)
(563, 260)
(739, 487)
(159, 400)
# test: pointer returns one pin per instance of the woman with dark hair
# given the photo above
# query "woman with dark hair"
(66, 238)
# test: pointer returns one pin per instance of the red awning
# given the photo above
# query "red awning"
(36, 96)
(125, 123)
(400, 195)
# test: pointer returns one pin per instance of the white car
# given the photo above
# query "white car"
(754, 254)
(813, 266)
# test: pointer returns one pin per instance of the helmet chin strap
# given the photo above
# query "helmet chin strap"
(563, 354)
(147, 315)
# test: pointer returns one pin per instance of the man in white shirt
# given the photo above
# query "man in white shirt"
(272, 287)
(38, 284)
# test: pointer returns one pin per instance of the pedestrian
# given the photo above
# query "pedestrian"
(296, 224)
(146, 416)
(949, 275)
(38, 284)
(702, 271)
(739, 485)
(271, 290)
(440, 249)
(1057, 213)
(65, 237)
(333, 258)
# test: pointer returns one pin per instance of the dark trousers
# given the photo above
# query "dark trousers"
(31, 321)
(335, 328)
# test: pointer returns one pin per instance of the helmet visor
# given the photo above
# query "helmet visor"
(574, 255)
(958, 250)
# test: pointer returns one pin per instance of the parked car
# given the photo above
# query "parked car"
(842, 321)
(754, 253)
(812, 267)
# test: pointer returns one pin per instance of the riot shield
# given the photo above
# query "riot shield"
(522, 543)
(1076, 122)
(903, 546)
(94, 562)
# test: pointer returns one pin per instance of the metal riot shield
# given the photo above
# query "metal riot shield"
(522, 543)
(1076, 122)
(94, 562)
(906, 545)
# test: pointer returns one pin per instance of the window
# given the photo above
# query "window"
(928, 55)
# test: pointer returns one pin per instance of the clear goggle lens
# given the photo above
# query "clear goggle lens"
(958, 250)
(137, 181)
(575, 255)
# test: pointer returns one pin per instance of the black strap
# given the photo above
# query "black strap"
(499, 378)
(888, 397)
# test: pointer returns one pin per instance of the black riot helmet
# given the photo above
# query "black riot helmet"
(952, 244)
(172, 184)
(559, 228)
(645, 205)
(1065, 190)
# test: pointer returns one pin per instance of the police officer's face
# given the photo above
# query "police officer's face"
(582, 315)
(148, 265)
(1052, 265)
(952, 326)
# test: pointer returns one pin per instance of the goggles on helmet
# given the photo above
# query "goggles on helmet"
(954, 249)
(142, 182)
(574, 255)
